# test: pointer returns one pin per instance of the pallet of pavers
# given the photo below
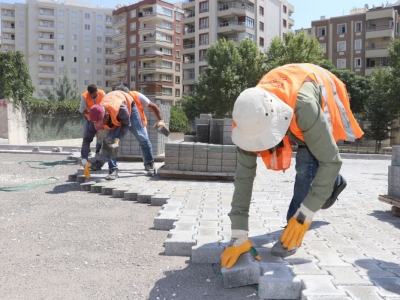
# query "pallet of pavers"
(393, 196)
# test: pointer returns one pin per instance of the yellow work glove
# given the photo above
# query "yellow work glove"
(238, 245)
(162, 128)
(86, 165)
(297, 228)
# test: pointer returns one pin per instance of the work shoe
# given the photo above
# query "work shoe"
(112, 175)
(279, 250)
(96, 166)
(335, 193)
(149, 166)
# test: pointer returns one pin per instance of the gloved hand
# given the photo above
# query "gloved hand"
(84, 162)
(238, 245)
(114, 143)
(297, 228)
(86, 165)
(160, 123)
(162, 128)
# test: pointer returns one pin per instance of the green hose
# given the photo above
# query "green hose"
(28, 186)
(42, 164)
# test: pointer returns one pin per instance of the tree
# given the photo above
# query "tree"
(294, 48)
(379, 107)
(394, 64)
(64, 89)
(178, 120)
(230, 70)
(15, 81)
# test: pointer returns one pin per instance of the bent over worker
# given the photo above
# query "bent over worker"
(117, 113)
(300, 102)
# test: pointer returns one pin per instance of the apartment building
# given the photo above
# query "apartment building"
(53, 36)
(148, 44)
(358, 41)
(207, 21)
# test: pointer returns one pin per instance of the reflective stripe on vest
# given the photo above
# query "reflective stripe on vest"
(112, 102)
(286, 81)
(90, 102)
(280, 159)
(139, 105)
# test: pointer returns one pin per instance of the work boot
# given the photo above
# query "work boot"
(112, 175)
(149, 166)
(96, 166)
(335, 193)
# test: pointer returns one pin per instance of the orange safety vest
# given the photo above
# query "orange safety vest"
(285, 82)
(139, 105)
(90, 102)
(112, 102)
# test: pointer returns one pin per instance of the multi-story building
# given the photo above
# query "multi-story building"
(206, 22)
(57, 36)
(358, 41)
(148, 44)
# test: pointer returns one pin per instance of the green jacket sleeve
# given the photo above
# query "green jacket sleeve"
(319, 140)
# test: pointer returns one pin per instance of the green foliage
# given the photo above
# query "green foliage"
(64, 89)
(294, 48)
(230, 70)
(15, 81)
(66, 108)
(326, 64)
(178, 120)
(394, 64)
(192, 105)
(379, 107)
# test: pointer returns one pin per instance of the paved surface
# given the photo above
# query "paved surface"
(59, 242)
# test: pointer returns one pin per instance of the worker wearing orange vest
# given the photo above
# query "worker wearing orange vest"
(300, 102)
(117, 113)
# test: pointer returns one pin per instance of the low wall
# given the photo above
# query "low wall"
(12, 123)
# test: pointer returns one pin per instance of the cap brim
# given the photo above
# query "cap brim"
(264, 141)
(98, 125)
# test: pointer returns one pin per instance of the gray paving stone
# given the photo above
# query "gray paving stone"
(86, 186)
(278, 282)
(361, 292)
(319, 285)
(303, 266)
(387, 287)
(165, 221)
(207, 253)
(179, 245)
(159, 199)
(346, 276)
(246, 271)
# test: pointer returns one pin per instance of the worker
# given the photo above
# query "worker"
(89, 98)
(300, 102)
(117, 113)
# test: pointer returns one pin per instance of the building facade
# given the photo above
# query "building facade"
(359, 41)
(207, 21)
(148, 44)
(59, 37)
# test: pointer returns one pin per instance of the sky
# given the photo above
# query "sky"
(305, 11)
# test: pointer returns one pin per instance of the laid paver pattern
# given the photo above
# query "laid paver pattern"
(352, 250)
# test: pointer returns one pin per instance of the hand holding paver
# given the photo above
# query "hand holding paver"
(238, 245)
(297, 228)
(86, 165)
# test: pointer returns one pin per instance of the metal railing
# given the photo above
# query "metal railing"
(236, 5)
(374, 28)
(225, 24)
(376, 47)
(189, 46)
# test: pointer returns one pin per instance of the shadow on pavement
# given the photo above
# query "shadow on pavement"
(385, 275)
(386, 216)
(64, 188)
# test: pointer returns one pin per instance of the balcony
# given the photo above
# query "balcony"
(109, 55)
(8, 40)
(120, 23)
(291, 22)
(189, 33)
(227, 27)
(109, 32)
(369, 70)
(8, 28)
(46, 49)
(46, 73)
(153, 16)
(46, 38)
(373, 32)
(119, 74)
(188, 4)
(234, 9)
(388, 14)
(189, 18)
(377, 51)
(119, 49)
(188, 79)
(46, 14)
(8, 16)
(151, 54)
(119, 36)
(153, 68)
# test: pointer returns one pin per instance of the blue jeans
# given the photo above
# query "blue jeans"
(140, 134)
(306, 170)
(85, 126)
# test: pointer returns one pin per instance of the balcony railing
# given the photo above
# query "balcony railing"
(374, 28)
(189, 30)
(231, 23)
(204, 43)
(187, 1)
(376, 47)
(204, 10)
(189, 46)
(46, 13)
(235, 5)
(191, 15)
(190, 61)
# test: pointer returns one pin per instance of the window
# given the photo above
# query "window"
(178, 54)
(341, 63)
(203, 23)
(202, 54)
(261, 26)
(74, 48)
(357, 62)
(358, 26)
(178, 41)
(178, 16)
(177, 92)
(99, 17)
(323, 47)
(60, 47)
(61, 13)
(74, 14)
(21, 12)
(86, 38)
(321, 31)
(133, 13)
(249, 22)
(261, 11)
(133, 65)
(60, 35)
(177, 79)
(357, 44)
(177, 67)
(99, 50)
(133, 39)
(261, 42)
(99, 28)
(87, 71)
(99, 39)
(75, 59)
(87, 82)
(204, 39)
(21, 24)
(284, 9)
(133, 26)
(74, 37)
(178, 29)
(284, 23)
(99, 61)
(86, 60)
(133, 52)
(341, 46)
(203, 7)
(87, 16)
(61, 58)
(341, 28)
(87, 27)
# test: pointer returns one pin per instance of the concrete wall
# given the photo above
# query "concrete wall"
(12, 123)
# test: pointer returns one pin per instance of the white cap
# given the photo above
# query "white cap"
(261, 118)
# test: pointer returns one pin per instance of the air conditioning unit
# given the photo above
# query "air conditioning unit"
(140, 14)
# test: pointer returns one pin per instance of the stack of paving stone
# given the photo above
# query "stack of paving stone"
(129, 146)
(213, 131)
(394, 173)
(203, 128)
(216, 131)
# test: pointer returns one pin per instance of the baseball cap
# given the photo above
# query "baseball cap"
(96, 114)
